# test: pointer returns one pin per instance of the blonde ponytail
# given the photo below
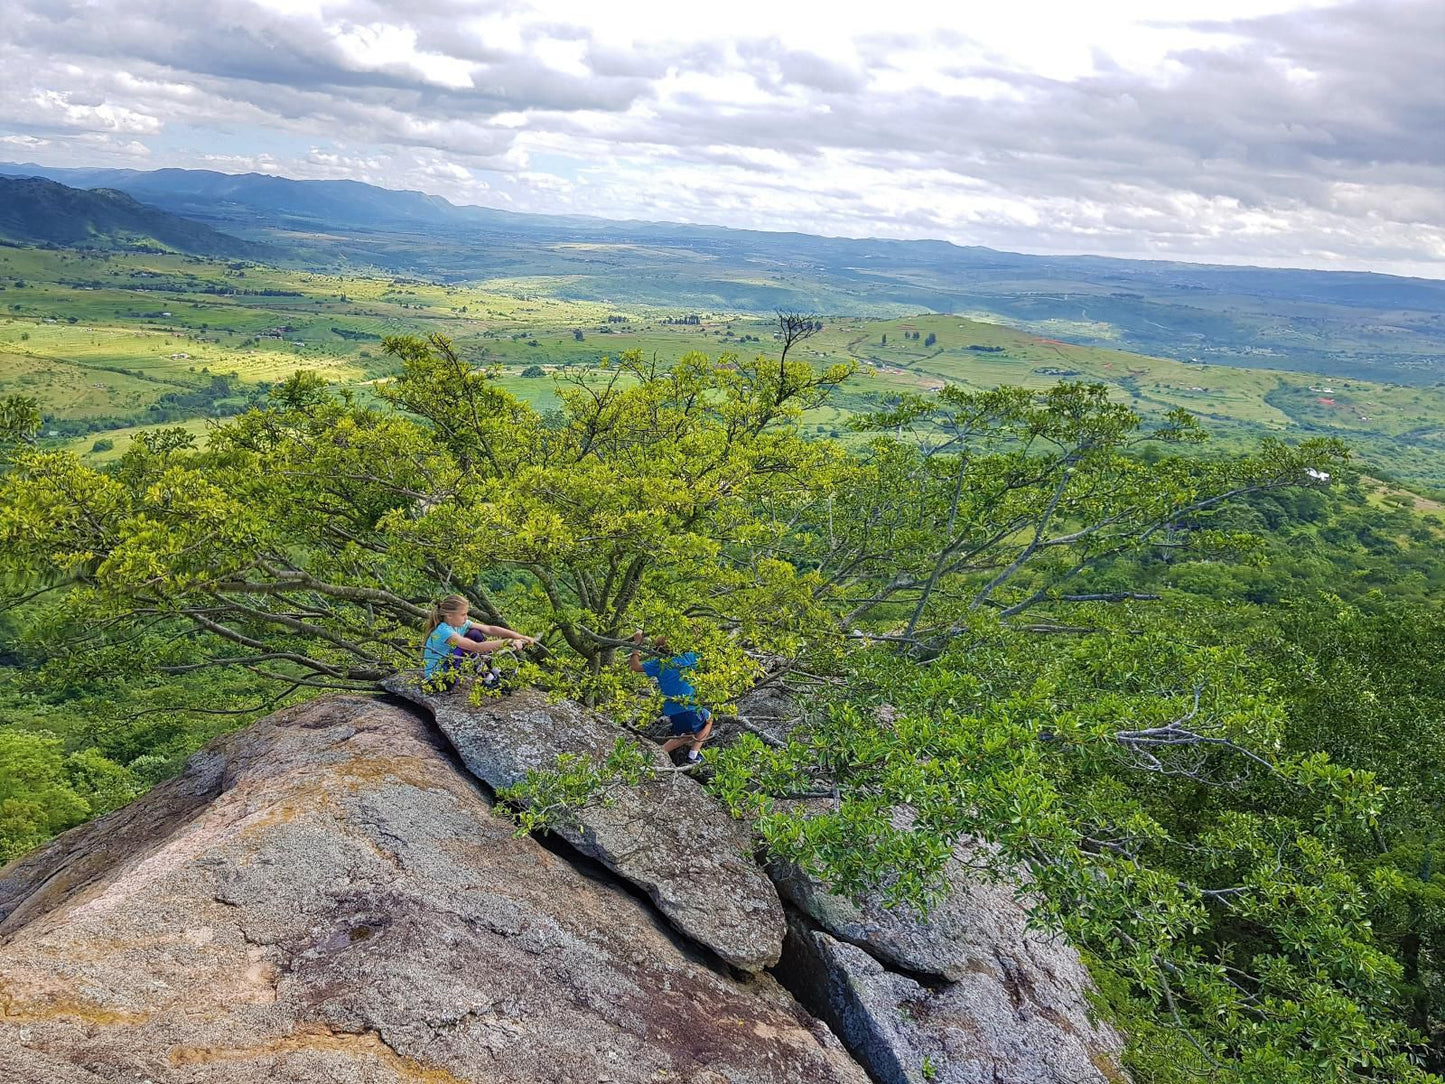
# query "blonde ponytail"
(447, 604)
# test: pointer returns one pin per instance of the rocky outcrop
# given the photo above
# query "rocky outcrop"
(667, 836)
(906, 1029)
(969, 992)
(327, 896)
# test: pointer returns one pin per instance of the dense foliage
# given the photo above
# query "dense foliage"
(1027, 619)
(1222, 882)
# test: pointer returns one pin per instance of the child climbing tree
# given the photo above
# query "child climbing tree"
(304, 539)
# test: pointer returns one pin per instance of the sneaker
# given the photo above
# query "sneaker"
(694, 757)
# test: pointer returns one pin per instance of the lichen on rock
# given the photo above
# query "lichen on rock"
(328, 896)
(667, 836)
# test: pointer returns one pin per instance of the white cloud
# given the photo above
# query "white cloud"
(102, 116)
(1304, 131)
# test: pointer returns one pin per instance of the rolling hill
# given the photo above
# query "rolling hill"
(1338, 324)
(34, 210)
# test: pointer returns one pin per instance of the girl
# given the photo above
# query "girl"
(451, 638)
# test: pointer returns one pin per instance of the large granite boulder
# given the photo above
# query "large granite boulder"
(978, 917)
(906, 1029)
(969, 990)
(668, 836)
(327, 896)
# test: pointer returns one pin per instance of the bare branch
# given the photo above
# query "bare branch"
(794, 327)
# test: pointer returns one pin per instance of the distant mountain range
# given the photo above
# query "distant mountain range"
(284, 202)
(34, 210)
(251, 200)
(1333, 322)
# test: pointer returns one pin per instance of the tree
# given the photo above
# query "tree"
(1368, 689)
(305, 542)
(35, 799)
(19, 420)
(1003, 500)
(1138, 773)
(793, 328)
(311, 534)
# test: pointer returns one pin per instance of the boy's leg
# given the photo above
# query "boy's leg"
(703, 732)
(684, 726)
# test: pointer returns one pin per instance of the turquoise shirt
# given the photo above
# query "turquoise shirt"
(438, 647)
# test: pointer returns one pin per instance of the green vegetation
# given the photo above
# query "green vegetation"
(38, 211)
(1192, 686)
(150, 331)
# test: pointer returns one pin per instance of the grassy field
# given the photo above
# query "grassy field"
(109, 343)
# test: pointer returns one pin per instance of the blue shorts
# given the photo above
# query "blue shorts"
(689, 722)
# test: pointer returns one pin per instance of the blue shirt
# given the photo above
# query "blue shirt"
(438, 647)
(669, 677)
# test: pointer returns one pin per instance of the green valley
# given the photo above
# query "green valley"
(111, 342)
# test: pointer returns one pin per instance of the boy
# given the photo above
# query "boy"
(690, 722)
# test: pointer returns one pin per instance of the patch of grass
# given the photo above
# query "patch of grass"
(120, 440)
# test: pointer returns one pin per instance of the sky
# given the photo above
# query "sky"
(1304, 133)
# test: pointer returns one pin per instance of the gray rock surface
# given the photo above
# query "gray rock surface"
(908, 1032)
(970, 987)
(976, 919)
(328, 897)
(667, 836)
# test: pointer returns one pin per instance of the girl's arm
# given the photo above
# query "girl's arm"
(502, 631)
(477, 647)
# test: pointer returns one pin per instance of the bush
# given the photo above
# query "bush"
(36, 800)
(104, 444)
(533, 370)
(101, 782)
(151, 768)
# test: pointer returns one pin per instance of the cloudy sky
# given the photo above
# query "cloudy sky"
(1284, 132)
